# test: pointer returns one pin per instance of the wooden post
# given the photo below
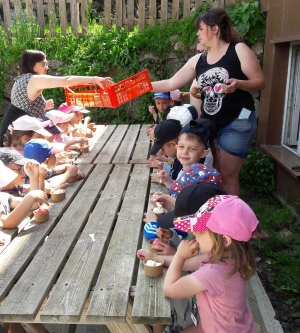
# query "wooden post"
(74, 16)
(6, 14)
(17, 6)
(119, 13)
(107, 12)
(164, 11)
(142, 14)
(152, 12)
(52, 17)
(198, 3)
(84, 15)
(130, 14)
(186, 8)
(40, 15)
(63, 16)
(175, 10)
(219, 4)
(29, 10)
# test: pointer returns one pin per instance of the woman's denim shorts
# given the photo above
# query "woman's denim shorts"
(236, 137)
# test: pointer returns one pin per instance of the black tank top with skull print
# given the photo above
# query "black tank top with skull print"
(217, 106)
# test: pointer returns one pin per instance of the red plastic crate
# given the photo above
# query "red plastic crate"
(92, 95)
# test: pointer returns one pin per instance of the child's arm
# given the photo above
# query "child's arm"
(70, 143)
(190, 265)
(176, 286)
(13, 219)
(32, 170)
(152, 111)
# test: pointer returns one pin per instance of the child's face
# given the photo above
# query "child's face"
(162, 104)
(189, 151)
(205, 241)
(169, 149)
(64, 126)
(19, 170)
(77, 117)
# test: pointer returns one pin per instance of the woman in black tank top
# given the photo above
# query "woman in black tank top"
(226, 72)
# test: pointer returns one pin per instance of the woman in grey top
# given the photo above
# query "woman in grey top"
(26, 93)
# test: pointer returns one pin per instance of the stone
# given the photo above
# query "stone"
(148, 56)
(297, 322)
(257, 48)
(55, 64)
(284, 319)
(179, 46)
(284, 233)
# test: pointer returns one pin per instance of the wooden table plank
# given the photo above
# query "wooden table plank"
(69, 294)
(9, 234)
(125, 150)
(111, 293)
(150, 305)
(22, 249)
(142, 146)
(96, 144)
(26, 297)
(112, 145)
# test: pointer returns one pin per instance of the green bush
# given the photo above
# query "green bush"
(258, 173)
(249, 21)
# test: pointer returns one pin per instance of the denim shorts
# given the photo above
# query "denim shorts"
(236, 137)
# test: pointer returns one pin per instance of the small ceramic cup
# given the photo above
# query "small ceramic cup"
(153, 271)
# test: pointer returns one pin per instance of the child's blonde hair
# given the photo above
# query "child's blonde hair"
(13, 138)
(192, 136)
(241, 252)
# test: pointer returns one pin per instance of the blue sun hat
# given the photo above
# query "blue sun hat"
(197, 173)
(165, 95)
(37, 149)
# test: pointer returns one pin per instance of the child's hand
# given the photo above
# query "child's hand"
(80, 174)
(152, 110)
(164, 233)
(49, 104)
(164, 177)
(154, 163)
(150, 217)
(43, 171)
(31, 169)
(143, 254)
(151, 133)
(87, 119)
(195, 92)
(164, 248)
(188, 249)
(39, 196)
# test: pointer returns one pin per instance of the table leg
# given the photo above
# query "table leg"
(129, 327)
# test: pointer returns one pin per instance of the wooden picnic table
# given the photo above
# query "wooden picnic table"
(80, 267)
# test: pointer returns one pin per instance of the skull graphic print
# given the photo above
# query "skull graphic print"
(210, 85)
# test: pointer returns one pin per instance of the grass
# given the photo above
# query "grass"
(280, 251)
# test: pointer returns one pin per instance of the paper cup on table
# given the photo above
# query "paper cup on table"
(93, 129)
(84, 149)
(89, 135)
(41, 215)
(152, 246)
(153, 266)
(58, 195)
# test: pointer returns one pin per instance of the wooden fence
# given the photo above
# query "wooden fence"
(120, 12)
